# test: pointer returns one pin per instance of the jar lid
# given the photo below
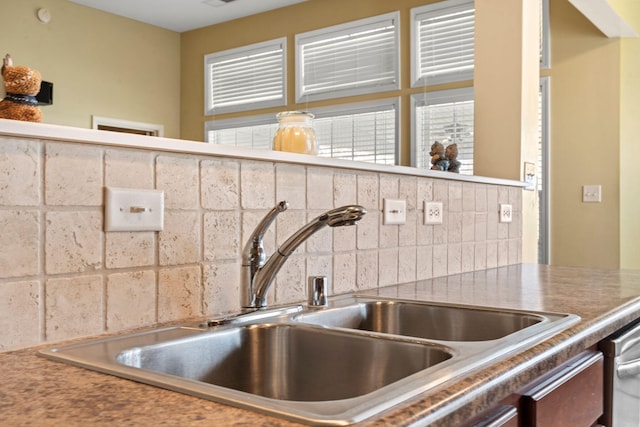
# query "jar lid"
(295, 115)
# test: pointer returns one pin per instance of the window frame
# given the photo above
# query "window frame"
(265, 46)
(434, 98)
(343, 29)
(418, 80)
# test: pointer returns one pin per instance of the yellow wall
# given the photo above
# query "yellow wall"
(629, 141)
(302, 17)
(585, 140)
(100, 64)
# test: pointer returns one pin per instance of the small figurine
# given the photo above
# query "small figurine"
(22, 84)
(451, 153)
(438, 159)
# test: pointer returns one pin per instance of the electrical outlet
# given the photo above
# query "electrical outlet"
(433, 212)
(592, 194)
(506, 213)
(394, 211)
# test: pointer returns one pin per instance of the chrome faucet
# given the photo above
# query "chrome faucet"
(258, 274)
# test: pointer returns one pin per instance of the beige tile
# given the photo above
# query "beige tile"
(321, 265)
(178, 177)
(480, 255)
(344, 272)
(425, 191)
(481, 198)
(468, 197)
(454, 258)
(20, 175)
(130, 249)
(468, 256)
(19, 243)
(407, 264)
(345, 191)
(492, 254)
(480, 229)
(322, 240)
(220, 185)
(408, 191)
(455, 197)
(222, 290)
(221, 235)
(291, 281)
(19, 314)
(440, 258)
(131, 300)
(73, 175)
(468, 226)
(287, 223)
(291, 184)
(454, 227)
(344, 238)
(368, 192)
(367, 231)
(257, 185)
(408, 232)
(179, 242)
(388, 267)
(388, 235)
(129, 169)
(73, 242)
(179, 293)
(367, 269)
(424, 263)
(389, 188)
(74, 307)
(319, 188)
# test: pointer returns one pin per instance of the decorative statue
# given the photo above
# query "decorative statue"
(22, 84)
(438, 159)
(451, 153)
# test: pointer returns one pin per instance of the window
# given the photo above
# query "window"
(248, 132)
(366, 132)
(442, 42)
(446, 117)
(246, 78)
(350, 59)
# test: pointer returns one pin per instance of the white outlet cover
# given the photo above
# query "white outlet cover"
(127, 209)
(394, 211)
(506, 213)
(433, 212)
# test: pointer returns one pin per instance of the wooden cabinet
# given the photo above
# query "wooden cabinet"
(571, 395)
(502, 416)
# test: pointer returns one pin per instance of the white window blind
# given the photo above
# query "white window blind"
(446, 117)
(362, 133)
(443, 42)
(349, 59)
(366, 132)
(246, 78)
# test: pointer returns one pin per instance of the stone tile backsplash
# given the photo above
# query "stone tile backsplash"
(62, 276)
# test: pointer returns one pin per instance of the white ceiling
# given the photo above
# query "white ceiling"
(185, 15)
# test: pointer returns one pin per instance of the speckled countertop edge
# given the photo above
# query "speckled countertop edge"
(40, 392)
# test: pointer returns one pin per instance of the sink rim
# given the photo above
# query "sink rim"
(467, 357)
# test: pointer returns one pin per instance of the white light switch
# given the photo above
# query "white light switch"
(394, 212)
(128, 209)
(591, 193)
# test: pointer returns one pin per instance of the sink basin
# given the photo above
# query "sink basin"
(287, 362)
(330, 366)
(430, 321)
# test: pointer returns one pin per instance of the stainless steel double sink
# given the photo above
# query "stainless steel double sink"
(332, 366)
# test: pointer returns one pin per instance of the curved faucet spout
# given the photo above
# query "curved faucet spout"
(254, 255)
(345, 215)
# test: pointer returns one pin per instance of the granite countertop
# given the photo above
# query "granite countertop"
(39, 392)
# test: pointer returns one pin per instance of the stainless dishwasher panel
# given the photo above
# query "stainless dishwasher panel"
(622, 377)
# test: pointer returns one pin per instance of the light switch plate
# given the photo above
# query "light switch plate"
(394, 211)
(591, 194)
(127, 209)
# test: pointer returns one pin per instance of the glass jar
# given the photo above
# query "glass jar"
(295, 133)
